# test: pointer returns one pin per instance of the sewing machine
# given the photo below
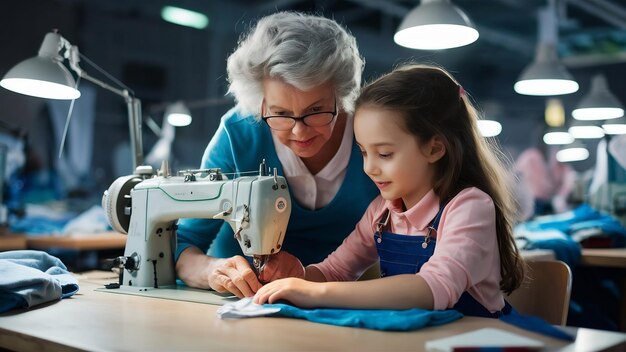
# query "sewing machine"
(147, 207)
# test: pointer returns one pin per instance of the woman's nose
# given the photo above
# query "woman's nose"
(299, 127)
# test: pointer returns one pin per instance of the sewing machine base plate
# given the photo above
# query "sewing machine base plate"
(179, 293)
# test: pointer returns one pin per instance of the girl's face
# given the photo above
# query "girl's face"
(281, 98)
(393, 158)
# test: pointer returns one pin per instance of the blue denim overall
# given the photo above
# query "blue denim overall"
(402, 254)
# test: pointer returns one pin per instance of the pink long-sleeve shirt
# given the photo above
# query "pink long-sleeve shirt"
(466, 256)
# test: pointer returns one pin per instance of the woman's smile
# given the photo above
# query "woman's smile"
(304, 143)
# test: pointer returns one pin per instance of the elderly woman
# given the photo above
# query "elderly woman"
(295, 78)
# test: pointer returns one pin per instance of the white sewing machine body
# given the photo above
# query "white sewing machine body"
(256, 207)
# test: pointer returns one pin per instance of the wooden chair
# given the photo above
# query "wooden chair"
(545, 291)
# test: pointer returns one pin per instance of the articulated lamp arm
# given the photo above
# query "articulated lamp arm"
(133, 105)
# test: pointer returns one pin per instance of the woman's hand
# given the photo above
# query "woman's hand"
(298, 292)
(234, 275)
(281, 265)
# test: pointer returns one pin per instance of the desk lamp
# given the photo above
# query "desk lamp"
(45, 76)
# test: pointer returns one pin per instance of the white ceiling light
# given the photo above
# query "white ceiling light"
(574, 152)
(585, 130)
(178, 114)
(184, 17)
(557, 137)
(546, 75)
(489, 128)
(435, 24)
(599, 103)
(615, 126)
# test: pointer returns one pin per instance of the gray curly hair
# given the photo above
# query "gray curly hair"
(303, 51)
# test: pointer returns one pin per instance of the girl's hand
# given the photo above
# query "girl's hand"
(301, 293)
(281, 265)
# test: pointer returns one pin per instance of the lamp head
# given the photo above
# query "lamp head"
(557, 136)
(599, 103)
(178, 114)
(585, 130)
(615, 126)
(435, 24)
(44, 75)
(546, 75)
(573, 152)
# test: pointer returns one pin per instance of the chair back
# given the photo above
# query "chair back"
(545, 291)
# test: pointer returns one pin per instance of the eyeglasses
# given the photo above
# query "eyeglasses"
(315, 119)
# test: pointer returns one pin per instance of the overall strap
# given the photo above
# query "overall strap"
(382, 224)
(434, 224)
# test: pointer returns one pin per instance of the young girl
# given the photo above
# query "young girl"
(441, 226)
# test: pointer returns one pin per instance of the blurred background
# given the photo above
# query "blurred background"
(164, 62)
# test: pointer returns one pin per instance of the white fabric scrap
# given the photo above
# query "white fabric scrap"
(244, 308)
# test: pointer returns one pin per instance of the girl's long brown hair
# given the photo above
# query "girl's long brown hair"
(434, 104)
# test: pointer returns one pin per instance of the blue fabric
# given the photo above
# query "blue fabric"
(535, 324)
(561, 232)
(388, 320)
(575, 220)
(39, 225)
(563, 246)
(29, 278)
(239, 145)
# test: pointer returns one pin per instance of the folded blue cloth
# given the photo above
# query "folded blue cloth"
(389, 320)
(29, 278)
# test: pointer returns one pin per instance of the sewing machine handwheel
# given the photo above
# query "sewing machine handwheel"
(116, 199)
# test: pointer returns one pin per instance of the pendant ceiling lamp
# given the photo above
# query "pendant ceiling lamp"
(585, 130)
(599, 103)
(557, 136)
(573, 152)
(435, 24)
(546, 75)
(178, 114)
(615, 126)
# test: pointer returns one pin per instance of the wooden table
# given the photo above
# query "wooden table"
(605, 257)
(11, 241)
(538, 254)
(100, 321)
(99, 241)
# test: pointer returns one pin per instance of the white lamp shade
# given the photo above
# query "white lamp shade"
(178, 114)
(599, 103)
(435, 24)
(615, 126)
(576, 152)
(556, 137)
(586, 132)
(489, 128)
(44, 75)
(546, 75)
